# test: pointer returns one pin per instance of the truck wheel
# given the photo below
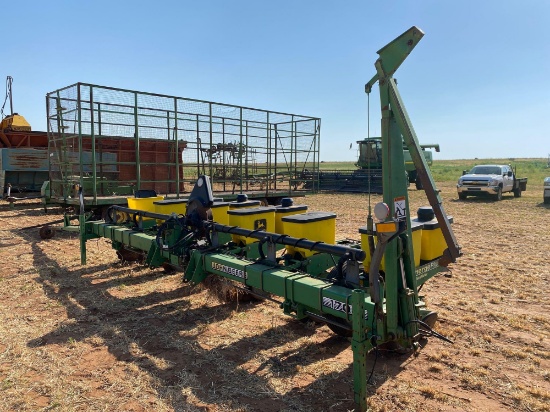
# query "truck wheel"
(462, 196)
(419, 184)
(517, 192)
(498, 196)
(547, 200)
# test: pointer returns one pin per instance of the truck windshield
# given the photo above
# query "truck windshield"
(486, 170)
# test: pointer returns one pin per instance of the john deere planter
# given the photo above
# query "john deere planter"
(367, 290)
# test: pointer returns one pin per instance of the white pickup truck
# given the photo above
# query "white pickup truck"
(493, 180)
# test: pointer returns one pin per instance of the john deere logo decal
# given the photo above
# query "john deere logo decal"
(229, 270)
(260, 224)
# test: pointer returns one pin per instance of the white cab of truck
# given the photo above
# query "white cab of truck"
(547, 191)
(493, 180)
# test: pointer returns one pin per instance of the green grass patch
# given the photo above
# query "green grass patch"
(450, 170)
(337, 165)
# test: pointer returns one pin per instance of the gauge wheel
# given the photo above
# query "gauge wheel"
(128, 255)
(46, 232)
(344, 331)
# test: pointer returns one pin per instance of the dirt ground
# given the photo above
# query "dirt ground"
(113, 337)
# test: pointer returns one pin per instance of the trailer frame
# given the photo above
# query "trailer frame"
(114, 142)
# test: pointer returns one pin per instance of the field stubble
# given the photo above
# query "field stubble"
(108, 336)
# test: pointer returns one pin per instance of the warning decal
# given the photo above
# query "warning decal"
(400, 208)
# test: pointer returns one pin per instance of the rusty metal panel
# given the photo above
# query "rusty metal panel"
(24, 160)
(24, 169)
(23, 139)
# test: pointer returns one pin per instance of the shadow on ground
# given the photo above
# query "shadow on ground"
(164, 326)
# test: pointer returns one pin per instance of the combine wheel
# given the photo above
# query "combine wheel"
(46, 232)
(517, 192)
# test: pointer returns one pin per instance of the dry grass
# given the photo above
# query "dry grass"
(108, 336)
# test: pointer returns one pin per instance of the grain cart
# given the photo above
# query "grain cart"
(365, 290)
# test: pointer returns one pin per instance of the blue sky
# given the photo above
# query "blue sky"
(478, 83)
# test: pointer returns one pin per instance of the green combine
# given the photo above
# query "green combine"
(367, 178)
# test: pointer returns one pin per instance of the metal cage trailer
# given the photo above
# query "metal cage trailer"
(113, 143)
